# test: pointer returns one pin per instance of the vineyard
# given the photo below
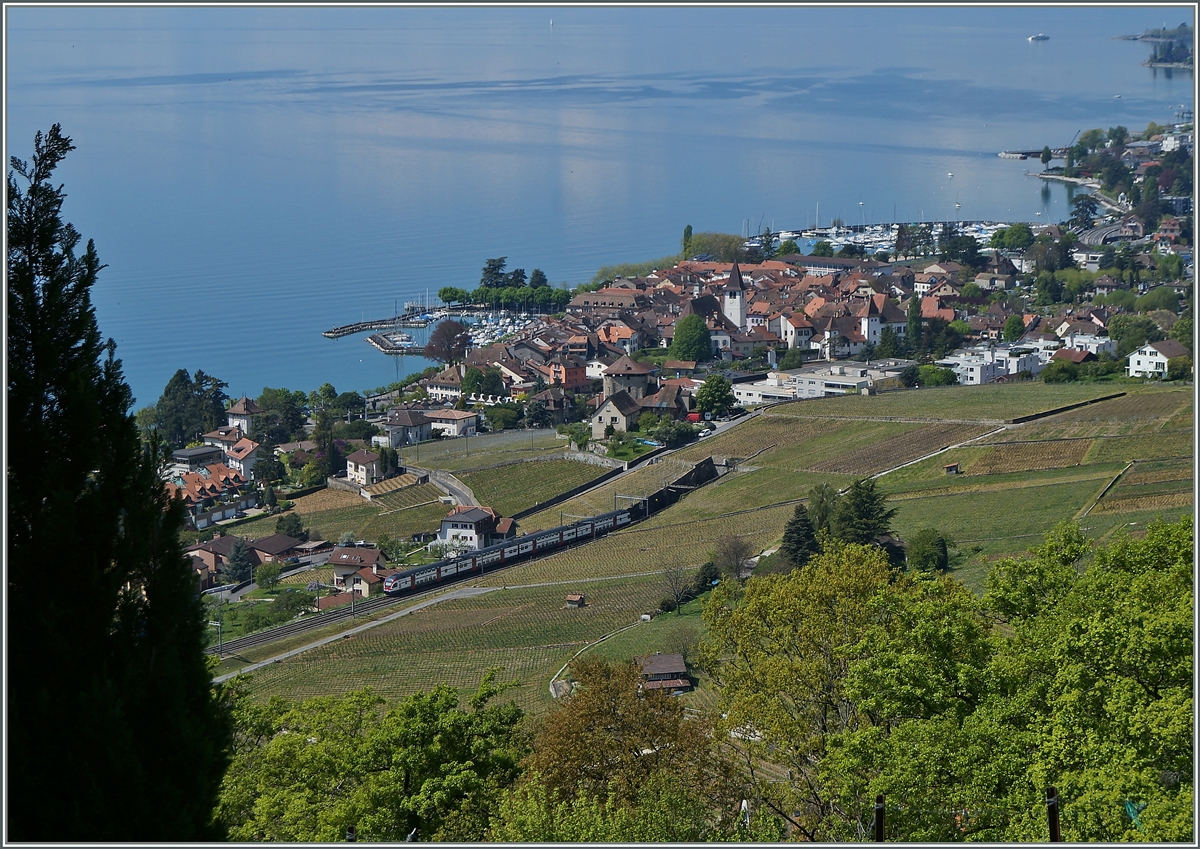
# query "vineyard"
(465, 453)
(989, 403)
(1029, 456)
(410, 496)
(1016, 485)
(529, 632)
(518, 486)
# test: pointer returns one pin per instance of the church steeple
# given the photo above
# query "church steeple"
(735, 300)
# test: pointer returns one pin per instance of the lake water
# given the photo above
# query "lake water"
(253, 176)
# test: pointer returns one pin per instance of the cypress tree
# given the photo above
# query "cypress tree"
(115, 730)
(799, 539)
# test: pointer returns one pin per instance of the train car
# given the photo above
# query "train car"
(505, 553)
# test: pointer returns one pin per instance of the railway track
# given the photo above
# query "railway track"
(300, 626)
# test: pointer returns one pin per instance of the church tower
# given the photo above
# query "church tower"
(735, 298)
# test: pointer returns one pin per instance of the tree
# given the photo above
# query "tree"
(787, 247)
(822, 501)
(502, 416)
(927, 551)
(692, 341)
(1182, 331)
(448, 342)
(730, 552)
(799, 539)
(913, 325)
(1083, 212)
(102, 679)
(290, 524)
(305, 771)
(1046, 157)
(686, 242)
(537, 279)
(240, 566)
(910, 376)
(268, 467)
(267, 575)
(536, 415)
(715, 396)
(1132, 332)
(269, 498)
(890, 345)
(606, 739)
(190, 406)
(1014, 328)
(677, 586)
(493, 276)
(515, 279)
(937, 376)
(822, 248)
(861, 514)
(1179, 368)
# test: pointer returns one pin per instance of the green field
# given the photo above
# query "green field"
(518, 486)
(475, 451)
(330, 513)
(1016, 482)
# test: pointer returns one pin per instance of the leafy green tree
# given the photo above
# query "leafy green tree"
(822, 248)
(1159, 298)
(927, 551)
(787, 247)
(1179, 368)
(822, 502)
(913, 325)
(536, 415)
(105, 677)
(937, 376)
(890, 345)
(330, 460)
(972, 290)
(1132, 332)
(1060, 371)
(692, 341)
(267, 575)
(1014, 328)
(861, 514)
(647, 421)
(715, 396)
(1018, 237)
(472, 380)
(502, 416)
(685, 243)
(453, 295)
(799, 538)
(910, 376)
(290, 524)
(322, 397)
(268, 467)
(1046, 157)
(305, 772)
(606, 740)
(1182, 331)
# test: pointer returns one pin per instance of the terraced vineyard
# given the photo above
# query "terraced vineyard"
(410, 496)
(1029, 456)
(1015, 485)
(519, 486)
(529, 632)
(472, 452)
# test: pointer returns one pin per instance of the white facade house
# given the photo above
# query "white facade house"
(1150, 360)
(362, 467)
(821, 381)
(1091, 343)
(453, 422)
(975, 367)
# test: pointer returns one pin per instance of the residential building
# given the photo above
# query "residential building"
(241, 414)
(1150, 360)
(363, 468)
(468, 527)
(664, 672)
(452, 422)
(620, 411)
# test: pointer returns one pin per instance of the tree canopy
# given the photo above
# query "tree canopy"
(692, 341)
(305, 772)
(116, 731)
(860, 681)
(715, 395)
(448, 342)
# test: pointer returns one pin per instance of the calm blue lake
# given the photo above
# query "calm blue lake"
(253, 176)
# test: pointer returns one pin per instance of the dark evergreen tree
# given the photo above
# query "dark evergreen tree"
(241, 562)
(115, 730)
(290, 524)
(861, 514)
(799, 538)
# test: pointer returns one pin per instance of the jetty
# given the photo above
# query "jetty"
(395, 343)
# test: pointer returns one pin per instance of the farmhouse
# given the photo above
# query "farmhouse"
(468, 527)
(664, 672)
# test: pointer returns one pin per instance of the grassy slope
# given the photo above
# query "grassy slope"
(1002, 513)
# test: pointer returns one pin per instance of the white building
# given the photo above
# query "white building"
(821, 381)
(1091, 343)
(1150, 360)
(975, 367)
